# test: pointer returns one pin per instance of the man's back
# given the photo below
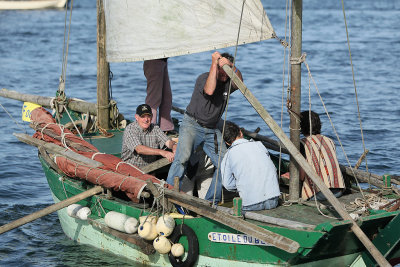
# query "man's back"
(320, 153)
(248, 167)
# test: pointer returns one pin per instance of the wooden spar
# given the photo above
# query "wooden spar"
(270, 220)
(164, 201)
(144, 246)
(361, 159)
(53, 148)
(394, 207)
(203, 208)
(103, 70)
(390, 203)
(362, 176)
(46, 157)
(75, 105)
(155, 165)
(295, 97)
(84, 107)
(174, 108)
(36, 215)
(366, 177)
(269, 143)
(295, 153)
(272, 144)
(45, 148)
(69, 143)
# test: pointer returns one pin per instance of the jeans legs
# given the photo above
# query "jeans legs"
(191, 135)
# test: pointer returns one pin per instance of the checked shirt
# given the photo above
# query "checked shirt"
(134, 135)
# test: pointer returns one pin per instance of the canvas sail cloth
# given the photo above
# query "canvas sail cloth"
(139, 30)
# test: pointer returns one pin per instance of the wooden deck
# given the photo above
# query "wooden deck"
(308, 213)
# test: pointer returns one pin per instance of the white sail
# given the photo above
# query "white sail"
(138, 30)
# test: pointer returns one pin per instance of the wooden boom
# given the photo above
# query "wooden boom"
(295, 153)
(72, 104)
(202, 207)
(50, 209)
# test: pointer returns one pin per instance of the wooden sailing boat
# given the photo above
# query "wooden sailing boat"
(311, 241)
(32, 4)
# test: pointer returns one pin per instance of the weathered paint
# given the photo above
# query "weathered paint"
(328, 242)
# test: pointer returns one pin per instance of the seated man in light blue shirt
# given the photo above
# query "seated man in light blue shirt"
(247, 168)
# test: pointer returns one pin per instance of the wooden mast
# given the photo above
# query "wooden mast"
(295, 96)
(103, 70)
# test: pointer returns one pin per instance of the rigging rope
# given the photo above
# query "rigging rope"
(98, 203)
(354, 83)
(62, 133)
(62, 179)
(65, 49)
(333, 127)
(12, 118)
(61, 100)
(302, 59)
(73, 122)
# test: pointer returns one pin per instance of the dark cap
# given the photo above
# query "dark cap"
(144, 109)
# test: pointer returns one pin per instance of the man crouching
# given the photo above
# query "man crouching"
(247, 168)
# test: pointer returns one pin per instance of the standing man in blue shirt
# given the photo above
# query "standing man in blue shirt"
(248, 168)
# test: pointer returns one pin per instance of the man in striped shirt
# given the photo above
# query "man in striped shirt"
(143, 142)
(320, 153)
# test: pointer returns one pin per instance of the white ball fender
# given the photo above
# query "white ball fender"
(73, 209)
(177, 250)
(162, 245)
(116, 220)
(147, 230)
(131, 225)
(83, 213)
(165, 225)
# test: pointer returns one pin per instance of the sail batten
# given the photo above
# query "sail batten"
(139, 30)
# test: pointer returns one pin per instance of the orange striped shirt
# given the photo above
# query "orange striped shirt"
(320, 153)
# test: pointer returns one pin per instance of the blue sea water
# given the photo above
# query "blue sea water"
(31, 58)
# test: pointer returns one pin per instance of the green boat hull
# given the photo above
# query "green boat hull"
(329, 244)
(84, 233)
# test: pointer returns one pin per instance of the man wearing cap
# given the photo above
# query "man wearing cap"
(199, 125)
(143, 141)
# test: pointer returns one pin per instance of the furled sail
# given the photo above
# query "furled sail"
(147, 29)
